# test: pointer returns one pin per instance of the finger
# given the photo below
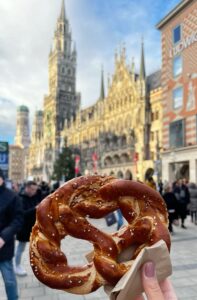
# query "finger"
(168, 290)
(150, 283)
(141, 297)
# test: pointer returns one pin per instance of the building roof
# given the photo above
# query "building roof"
(23, 108)
(179, 7)
(62, 14)
(154, 80)
(39, 113)
(142, 64)
(102, 92)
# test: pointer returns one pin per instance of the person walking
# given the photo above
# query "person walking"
(30, 198)
(193, 202)
(183, 197)
(11, 219)
(172, 206)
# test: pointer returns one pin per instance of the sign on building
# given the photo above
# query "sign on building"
(4, 157)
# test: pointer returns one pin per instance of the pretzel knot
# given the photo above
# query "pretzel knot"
(65, 213)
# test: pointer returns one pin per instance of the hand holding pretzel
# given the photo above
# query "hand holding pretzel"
(64, 213)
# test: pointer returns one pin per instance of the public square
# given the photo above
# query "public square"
(183, 255)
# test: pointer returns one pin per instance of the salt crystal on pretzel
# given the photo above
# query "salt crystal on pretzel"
(64, 213)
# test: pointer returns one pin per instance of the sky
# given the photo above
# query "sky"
(98, 27)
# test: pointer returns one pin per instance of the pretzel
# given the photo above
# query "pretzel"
(65, 213)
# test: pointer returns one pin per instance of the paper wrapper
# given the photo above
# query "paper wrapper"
(130, 284)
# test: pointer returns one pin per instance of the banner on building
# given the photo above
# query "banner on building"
(4, 157)
(77, 165)
(95, 162)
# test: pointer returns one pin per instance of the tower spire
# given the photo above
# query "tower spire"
(132, 66)
(102, 92)
(62, 14)
(142, 65)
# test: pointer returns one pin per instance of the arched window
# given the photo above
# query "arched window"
(120, 174)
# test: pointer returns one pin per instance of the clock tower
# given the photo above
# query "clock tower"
(62, 101)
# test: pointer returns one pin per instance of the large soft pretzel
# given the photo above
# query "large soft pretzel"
(64, 213)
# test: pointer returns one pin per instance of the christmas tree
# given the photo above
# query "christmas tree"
(64, 167)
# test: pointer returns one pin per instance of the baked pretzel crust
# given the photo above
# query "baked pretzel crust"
(65, 212)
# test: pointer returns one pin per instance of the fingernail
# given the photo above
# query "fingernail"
(149, 269)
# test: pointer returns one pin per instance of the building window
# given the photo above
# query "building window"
(152, 136)
(177, 66)
(177, 134)
(157, 115)
(178, 97)
(177, 34)
(152, 155)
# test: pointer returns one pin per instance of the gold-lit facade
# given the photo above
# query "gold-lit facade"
(120, 134)
(59, 105)
(113, 136)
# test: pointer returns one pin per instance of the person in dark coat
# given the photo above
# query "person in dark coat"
(193, 202)
(30, 199)
(172, 206)
(182, 194)
(11, 219)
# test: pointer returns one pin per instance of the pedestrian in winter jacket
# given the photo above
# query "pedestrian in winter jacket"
(193, 202)
(172, 206)
(30, 198)
(182, 194)
(11, 219)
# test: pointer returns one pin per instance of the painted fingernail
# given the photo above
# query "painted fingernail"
(149, 269)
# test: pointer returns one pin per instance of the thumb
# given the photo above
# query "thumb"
(150, 282)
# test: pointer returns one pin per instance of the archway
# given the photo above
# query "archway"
(149, 173)
(116, 159)
(183, 171)
(124, 158)
(108, 161)
(128, 175)
(120, 175)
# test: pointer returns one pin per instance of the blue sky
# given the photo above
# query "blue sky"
(99, 27)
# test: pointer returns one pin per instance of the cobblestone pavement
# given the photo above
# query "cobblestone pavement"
(184, 260)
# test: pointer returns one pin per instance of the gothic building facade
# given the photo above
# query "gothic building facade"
(62, 101)
(113, 136)
(117, 135)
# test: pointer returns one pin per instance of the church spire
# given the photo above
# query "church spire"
(62, 14)
(102, 92)
(142, 65)
(133, 66)
(133, 69)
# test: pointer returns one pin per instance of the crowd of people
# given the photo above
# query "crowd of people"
(180, 198)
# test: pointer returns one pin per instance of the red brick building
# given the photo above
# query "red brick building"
(179, 81)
